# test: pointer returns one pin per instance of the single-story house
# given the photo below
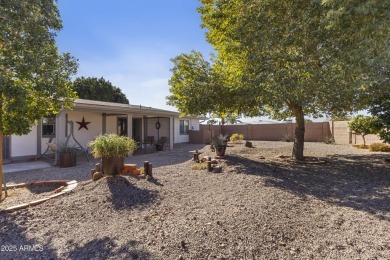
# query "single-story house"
(90, 118)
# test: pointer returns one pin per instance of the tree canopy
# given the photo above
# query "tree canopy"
(198, 87)
(364, 125)
(98, 89)
(34, 77)
(380, 108)
(300, 58)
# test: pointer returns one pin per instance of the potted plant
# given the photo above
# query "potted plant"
(160, 143)
(67, 156)
(112, 149)
(219, 143)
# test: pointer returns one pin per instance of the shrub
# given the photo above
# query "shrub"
(380, 147)
(364, 125)
(237, 138)
(384, 134)
(112, 145)
(288, 138)
(219, 140)
(329, 139)
(199, 166)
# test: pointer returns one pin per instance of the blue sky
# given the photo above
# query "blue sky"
(130, 43)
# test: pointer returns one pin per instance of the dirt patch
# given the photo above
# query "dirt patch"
(19, 195)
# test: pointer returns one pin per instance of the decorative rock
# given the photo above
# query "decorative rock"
(248, 144)
(205, 158)
(129, 168)
(97, 176)
(217, 169)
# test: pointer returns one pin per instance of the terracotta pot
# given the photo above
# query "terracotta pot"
(220, 150)
(67, 159)
(159, 147)
(112, 165)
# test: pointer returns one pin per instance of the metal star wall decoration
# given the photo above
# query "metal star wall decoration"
(83, 124)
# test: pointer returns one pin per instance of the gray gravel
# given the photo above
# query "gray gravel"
(261, 207)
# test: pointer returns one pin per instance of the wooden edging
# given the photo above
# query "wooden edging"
(66, 187)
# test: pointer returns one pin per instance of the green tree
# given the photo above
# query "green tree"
(199, 87)
(364, 125)
(34, 77)
(300, 58)
(380, 108)
(98, 89)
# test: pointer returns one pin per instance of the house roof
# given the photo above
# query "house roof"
(110, 107)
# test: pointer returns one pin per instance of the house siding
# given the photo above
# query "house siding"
(24, 145)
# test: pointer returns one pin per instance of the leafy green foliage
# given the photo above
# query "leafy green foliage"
(297, 58)
(364, 125)
(112, 145)
(236, 138)
(219, 140)
(329, 139)
(198, 87)
(34, 77)
(380, 108)
(98, 89)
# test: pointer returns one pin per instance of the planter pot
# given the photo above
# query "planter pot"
(67, 159)
(112, 165)
(159, 147)
(220, 150)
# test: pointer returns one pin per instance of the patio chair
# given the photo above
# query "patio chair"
(149, 143)
(165, 141)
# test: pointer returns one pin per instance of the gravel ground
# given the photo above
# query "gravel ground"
(262, 206)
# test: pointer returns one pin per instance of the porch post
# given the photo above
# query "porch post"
(104, 123)
(39, 137)
(57, 137)
(130, 125)
(171, 133)
(144, 131)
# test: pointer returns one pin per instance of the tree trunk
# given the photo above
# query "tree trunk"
(299, 139)
(1, 164)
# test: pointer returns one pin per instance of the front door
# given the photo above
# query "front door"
(137, 129)
(122, 126)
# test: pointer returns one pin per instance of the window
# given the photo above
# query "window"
(48, 127)
(184, 125)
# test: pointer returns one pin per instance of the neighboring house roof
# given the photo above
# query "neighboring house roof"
(110, 107)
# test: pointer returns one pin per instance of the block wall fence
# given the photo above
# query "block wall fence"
(314, 132)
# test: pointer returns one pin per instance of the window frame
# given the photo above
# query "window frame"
(183, 128)
(51, 121)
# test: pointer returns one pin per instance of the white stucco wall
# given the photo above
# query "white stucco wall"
(184, 138)
(111, 124)
(25, 145)
(83, 136)
(163, 131)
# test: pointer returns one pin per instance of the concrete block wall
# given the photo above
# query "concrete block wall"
(343, 135)
(314, 132)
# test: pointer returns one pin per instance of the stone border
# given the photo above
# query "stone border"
(66, 187)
